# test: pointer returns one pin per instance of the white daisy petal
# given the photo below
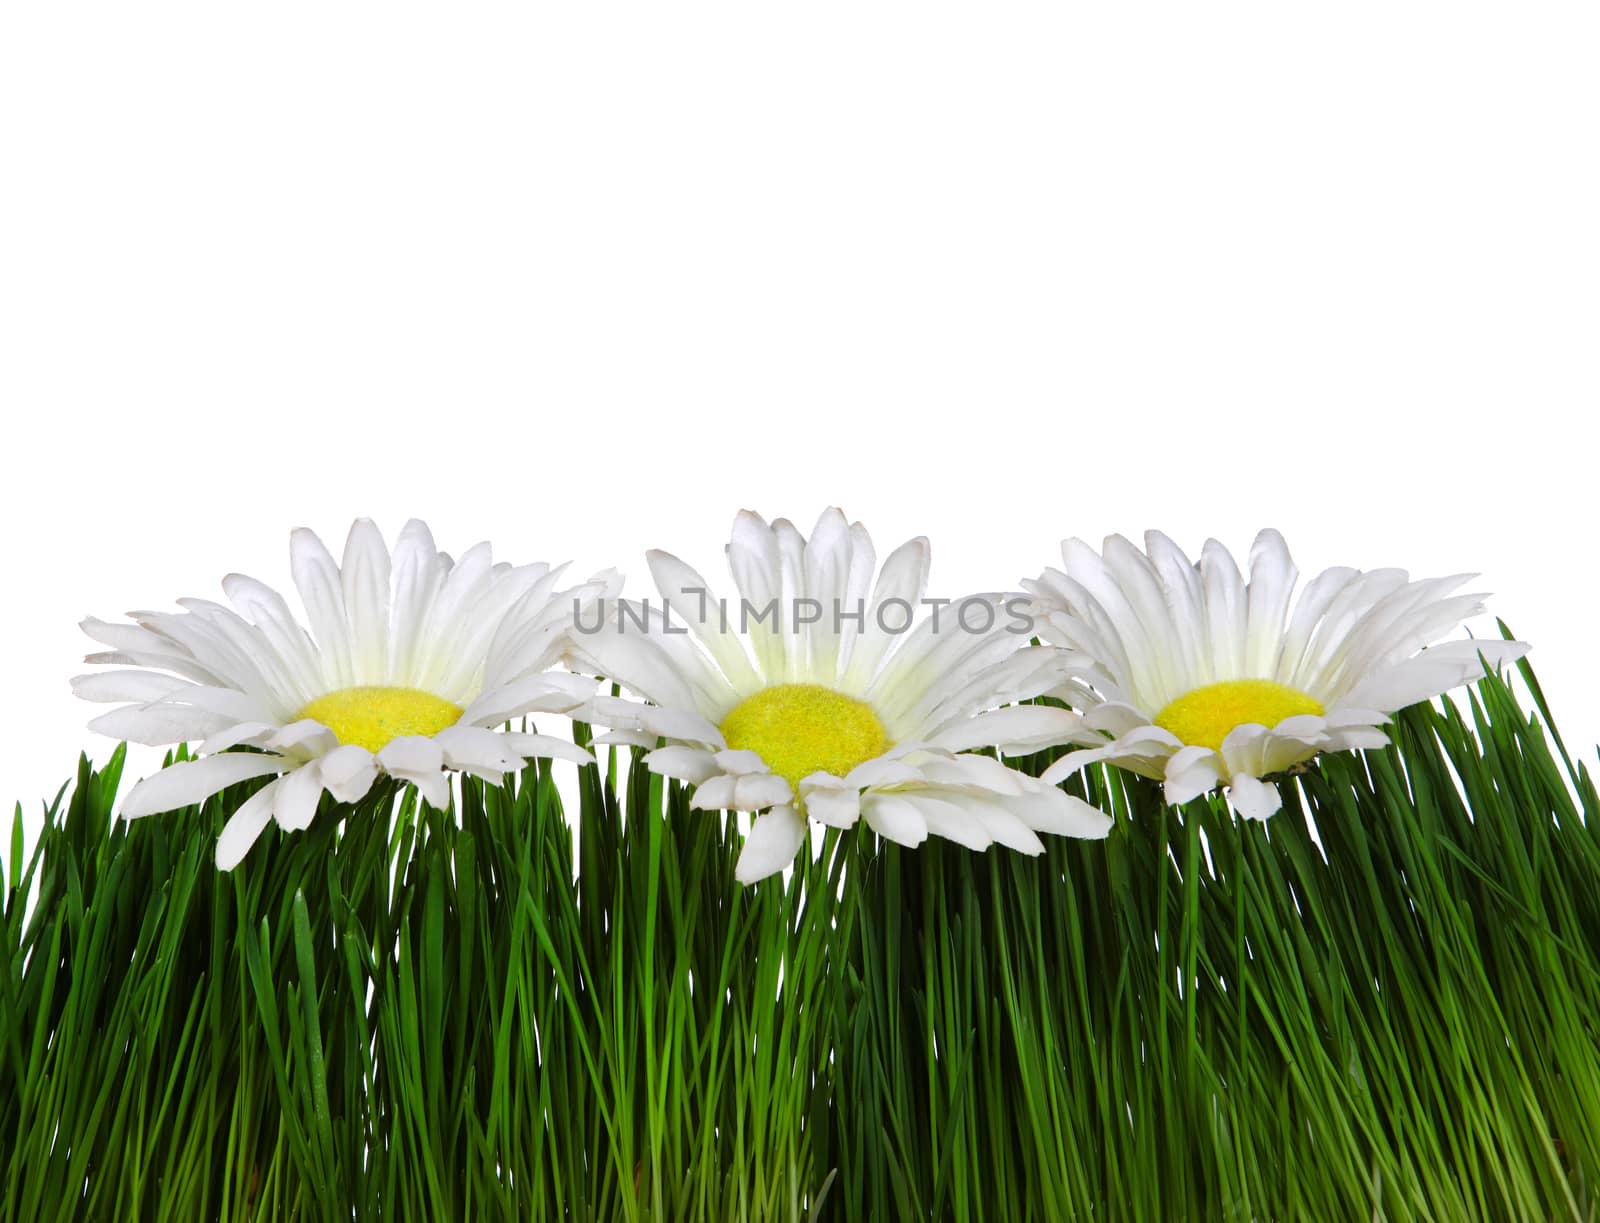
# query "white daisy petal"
(433, 787)
(192, 782)
(714, 794)
(1114, 718)
(884, 771)
(948, 818)
(1226, 609)
(420, 761)
(1306, 727)
(831, 801)
(251, 734)
(224, 702)
(477, 747)
(753, 791)
(546, 747)
(1272, 579)
(1139, 583)
(511, 627)
(1006, 829)
(269, 612)
(1145, 754)
(534, 638)
(623, 652)
(655, 721)
(1076, 762)
(1087, 632)
(681, 724)
(775, 838)
(295, 802)
(1243, 749)
(305, 736)
(899, 592)
(158, 725)
(249, 671)
(758, 574)
(793, 616)
(1180, 581)
(1016, 729)
(990, 820)
(1047, 809)
(1434, 671)
(322, 591)
(978, 774)
(108, 687)
(1191, 772)
(827, 574)
(1398, 625)
(1357, 738)
(1337, 719)
(1253, 799)
(245, 826)
(742, 792)
(551, 692)
(894, 818)
(857, 589)
(937, 679)
(411, 754)
(1309, 609)
(695, 605)
(1280, 751)
(741, 762)
(625, 738)
(1108, 623)
(348, 772)
(652, 637)
(136, 645)
(415, 575)
(464, 587)
(691, 764)
(1345, 610)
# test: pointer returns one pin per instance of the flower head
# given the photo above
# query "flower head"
(1190, 674)
(824, 693)
(411, 661)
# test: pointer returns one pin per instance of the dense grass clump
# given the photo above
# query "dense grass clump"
(1382, 1003)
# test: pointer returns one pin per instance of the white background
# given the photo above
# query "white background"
(588, 284)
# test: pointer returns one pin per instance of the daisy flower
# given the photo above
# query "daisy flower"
(1194, 676)
(822, 693)
(410, 662)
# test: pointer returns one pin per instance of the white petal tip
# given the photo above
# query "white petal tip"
(773, 841)
(1253, 799)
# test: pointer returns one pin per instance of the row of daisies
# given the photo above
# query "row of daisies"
(831, 690)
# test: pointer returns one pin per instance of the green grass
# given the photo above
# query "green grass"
(406, 1013)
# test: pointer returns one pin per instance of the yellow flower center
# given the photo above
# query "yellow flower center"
(1204, 717)
(371, 716)
(801, 729)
